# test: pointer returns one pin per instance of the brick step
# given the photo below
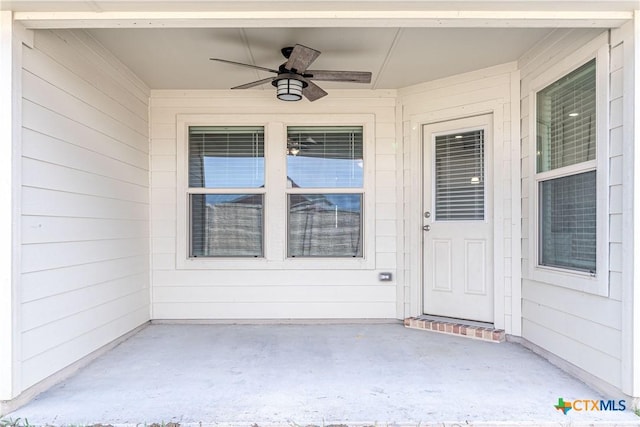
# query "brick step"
(453, 328)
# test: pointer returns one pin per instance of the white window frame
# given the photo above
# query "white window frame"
(597, 283)
(275, 209)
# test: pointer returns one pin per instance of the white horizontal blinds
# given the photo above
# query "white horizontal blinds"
(459, 176)
(568, 222)
(325, 156)
(325, 225)
(223, 158)
(226, 157)
(566, 120)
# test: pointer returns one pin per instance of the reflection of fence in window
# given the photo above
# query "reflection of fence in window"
(227, 228)
(568, 222)
(234, 229)
(318, 227)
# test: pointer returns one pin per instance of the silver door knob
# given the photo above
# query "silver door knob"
(426, 227)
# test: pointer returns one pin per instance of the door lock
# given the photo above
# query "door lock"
(427, 214)
(426, 227)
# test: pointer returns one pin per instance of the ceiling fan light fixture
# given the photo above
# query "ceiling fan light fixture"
(294, 79)
(289, 89)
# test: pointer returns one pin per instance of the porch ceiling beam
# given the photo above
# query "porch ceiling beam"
(323, 18)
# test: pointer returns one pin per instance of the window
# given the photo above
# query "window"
(226, 191)
(324, 191)
(566, 172)
(459, 176)
(275, 191)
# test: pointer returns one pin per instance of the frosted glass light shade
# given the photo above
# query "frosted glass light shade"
(289, 90)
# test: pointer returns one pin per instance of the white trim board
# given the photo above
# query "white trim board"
(326, 18)
(7, 291)
(629, 37)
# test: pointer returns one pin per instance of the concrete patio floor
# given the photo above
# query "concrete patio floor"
(301, 374)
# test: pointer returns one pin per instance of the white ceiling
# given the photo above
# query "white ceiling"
(179, 58)
(168, 43)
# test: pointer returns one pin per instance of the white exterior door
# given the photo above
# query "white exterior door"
(457, 232)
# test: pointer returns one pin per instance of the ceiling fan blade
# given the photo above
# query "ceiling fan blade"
(245, 65)
(313, 91)
(339, 76)
(301, 57)
(256, 83)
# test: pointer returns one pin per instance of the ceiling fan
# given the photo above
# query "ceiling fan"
(293, 79)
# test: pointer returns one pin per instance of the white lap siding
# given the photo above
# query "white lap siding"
(582, 328)
(85, 209)
(237, 293)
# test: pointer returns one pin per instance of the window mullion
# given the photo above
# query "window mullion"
(325, 190)
(198, 190)
(275, 187)
(567, 170)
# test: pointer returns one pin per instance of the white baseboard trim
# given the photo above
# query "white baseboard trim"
(7, 406)
(607, 390)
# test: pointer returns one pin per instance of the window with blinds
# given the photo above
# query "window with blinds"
(325, 157)
(566, 171)
(226, 157)
(226, 223)
(568, 234)
(566, 117)
(460, 176)
(321, 221)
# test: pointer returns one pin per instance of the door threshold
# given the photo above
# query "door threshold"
(465, 322)
(464, 328)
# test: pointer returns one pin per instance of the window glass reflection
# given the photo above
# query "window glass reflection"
(226, 225)
(226, 157)
(325, 157)
(325, 225)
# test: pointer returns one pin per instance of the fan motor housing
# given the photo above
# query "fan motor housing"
(286, 51)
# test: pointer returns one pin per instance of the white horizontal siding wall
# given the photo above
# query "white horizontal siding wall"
(270, 293)
(85, 209)
(582, 328)
(480, 92)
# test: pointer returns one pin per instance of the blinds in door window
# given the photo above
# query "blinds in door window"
(459, 176)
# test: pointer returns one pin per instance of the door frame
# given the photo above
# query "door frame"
(503, 154)
(429, 132)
